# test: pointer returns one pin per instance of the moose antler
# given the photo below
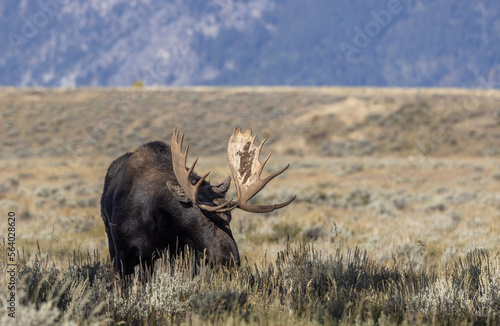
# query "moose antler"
(182, 175)
(243, 157)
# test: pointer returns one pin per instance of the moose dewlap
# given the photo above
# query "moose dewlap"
(151, 202)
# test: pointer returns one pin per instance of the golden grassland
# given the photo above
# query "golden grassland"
(432, 211)
(412, 177)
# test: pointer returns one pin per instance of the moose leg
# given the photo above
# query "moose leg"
(111, 244)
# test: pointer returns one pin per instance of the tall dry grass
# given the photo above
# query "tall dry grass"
(300, 286)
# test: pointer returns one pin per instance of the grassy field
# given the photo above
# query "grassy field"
(396, 218)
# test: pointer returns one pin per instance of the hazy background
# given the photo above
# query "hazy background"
(412, 43)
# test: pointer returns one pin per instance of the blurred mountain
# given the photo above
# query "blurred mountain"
(447, 43)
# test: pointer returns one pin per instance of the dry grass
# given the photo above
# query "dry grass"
(301, 286)
(410, 176)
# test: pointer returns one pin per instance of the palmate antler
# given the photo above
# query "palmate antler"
(243, 157)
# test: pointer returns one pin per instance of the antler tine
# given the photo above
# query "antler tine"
(243, 158)
(179, 161)
(274, 175)
(264, 208)
(200, 181)
(257, 154)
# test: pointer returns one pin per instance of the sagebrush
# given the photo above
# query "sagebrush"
(300, 286)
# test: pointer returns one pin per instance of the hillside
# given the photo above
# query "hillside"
(329, 122)
(253, 42)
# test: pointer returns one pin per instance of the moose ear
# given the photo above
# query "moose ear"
(177, 192)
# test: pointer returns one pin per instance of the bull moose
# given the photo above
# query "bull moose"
(152, 202)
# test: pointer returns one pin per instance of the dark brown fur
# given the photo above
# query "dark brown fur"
(143, 216)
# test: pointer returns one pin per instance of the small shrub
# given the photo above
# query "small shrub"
(357, 197)
(283, 231)
(399, 202)
(213, 304)
(138, 84)
(313, 232)
(437, 206)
